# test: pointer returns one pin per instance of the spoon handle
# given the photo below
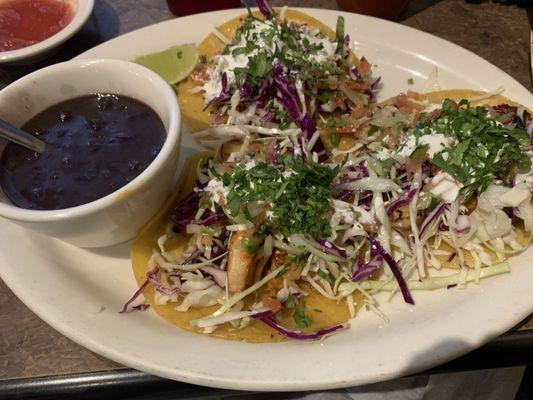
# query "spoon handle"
(13, 134)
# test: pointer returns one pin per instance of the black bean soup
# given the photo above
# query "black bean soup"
(95, 145)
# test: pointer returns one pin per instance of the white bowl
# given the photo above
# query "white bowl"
(118, 216)
(82, 9)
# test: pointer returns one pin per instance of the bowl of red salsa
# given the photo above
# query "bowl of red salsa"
(112, 134)
(31, 28)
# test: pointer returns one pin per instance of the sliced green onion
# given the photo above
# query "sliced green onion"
(440, 282)
(340, 28)
(241, 295)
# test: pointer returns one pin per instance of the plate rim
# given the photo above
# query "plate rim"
(195, 378)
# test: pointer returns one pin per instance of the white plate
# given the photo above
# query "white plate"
(79, 292)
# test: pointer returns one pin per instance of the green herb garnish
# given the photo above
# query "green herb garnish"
(291, 301)
(299, 198)
(321, 273)
(335, 140)
(485, 149)
(299, 316)
(250, 245)
(419, 152)
(339, 31)
(410, 81)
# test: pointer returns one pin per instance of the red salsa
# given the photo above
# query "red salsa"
(186, 7)
(26, 22)
(95, 145)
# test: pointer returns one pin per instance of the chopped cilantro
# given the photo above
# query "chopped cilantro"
(410, 81)
(299, 316)
(304, 204)
(321, 273)
(485, 149)
(282, 271)
(339, 31)
(290, 302)
(250, 245)
(250, 46)
(434, 203)
(419, 152)
(335, 140)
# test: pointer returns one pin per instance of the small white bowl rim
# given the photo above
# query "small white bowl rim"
(84, 11)
(171, 144)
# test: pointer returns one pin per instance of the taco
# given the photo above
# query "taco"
(325, 313)
(264, 240)
(274, 68)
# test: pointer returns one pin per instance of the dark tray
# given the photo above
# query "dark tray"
(511, 349)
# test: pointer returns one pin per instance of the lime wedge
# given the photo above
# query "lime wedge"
(173, 64)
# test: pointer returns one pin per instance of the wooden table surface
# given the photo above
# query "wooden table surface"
(499, 33)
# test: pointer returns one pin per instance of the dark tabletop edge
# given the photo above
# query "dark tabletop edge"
(511, 349)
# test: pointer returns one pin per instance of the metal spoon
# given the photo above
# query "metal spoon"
(13, 134)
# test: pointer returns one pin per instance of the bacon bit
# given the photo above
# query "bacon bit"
(505, 109)
(338, 102)
(405, 105)
(434, 170)
(227, 167)
(360, 111)
(358, 85)
(293, 273)
(364, 66)
(391, 139)
(433, 115)
(272, 303)
(414, 95)
(199, 75)
(255, 147)
(471, 204)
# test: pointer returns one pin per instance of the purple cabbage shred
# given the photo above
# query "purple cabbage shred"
(376, 248)
(270, 320)
(365, 270)
(265, 8)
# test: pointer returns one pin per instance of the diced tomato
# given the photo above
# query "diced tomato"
(405, 105)
(339, 102)
(358, 85)
(226, 167)
(364, 66)
(434, 170)
(199, 75)
(272, 303)
(360, 111)
(255, 147)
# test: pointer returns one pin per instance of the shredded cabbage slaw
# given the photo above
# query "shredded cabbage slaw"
(424, 189)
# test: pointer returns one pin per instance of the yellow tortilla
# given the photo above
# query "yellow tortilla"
(348, 140)
(192, 104)
(322, 312)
